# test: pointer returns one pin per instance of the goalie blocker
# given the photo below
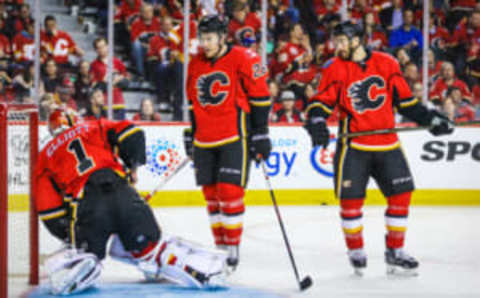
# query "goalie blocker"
(83, 197)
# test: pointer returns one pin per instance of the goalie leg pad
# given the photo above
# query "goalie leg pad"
(351, 214)
(71, 272)
(396, 219)
(213, 208)
(232, 208)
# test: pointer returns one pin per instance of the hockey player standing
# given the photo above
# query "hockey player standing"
(83, 197)
(368, 86)
(229, 105)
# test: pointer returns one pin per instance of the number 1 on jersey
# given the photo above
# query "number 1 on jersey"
(84, 162)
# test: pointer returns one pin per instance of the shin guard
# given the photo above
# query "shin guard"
(213, 208)
(351, 214)
(232, 208)
(396, 219)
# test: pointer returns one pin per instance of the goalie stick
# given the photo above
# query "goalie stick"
(306, 282)
(166, 178)
(397, 129)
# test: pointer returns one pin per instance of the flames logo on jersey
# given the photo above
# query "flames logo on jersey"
(206, 84)
(360, 93)
(245, 36)
(162, 157)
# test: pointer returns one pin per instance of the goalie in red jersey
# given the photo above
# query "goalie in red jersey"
(229, 104)
(367, 86)
(84, 198)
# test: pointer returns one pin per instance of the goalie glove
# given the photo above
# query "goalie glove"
(260, 144)
(318, 131)
(72, 272)
(440, 124)
(188, 142)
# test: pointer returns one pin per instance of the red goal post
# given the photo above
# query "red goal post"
(19, 139)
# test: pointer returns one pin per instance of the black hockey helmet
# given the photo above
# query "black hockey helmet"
(349, 29)
(212, 23)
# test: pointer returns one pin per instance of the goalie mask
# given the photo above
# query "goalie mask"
(59, 121)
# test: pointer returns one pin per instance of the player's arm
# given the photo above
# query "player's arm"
(412, 108)
(50, 206)
(130, 141)
(321, 105)
(253, 75)
(189, 132)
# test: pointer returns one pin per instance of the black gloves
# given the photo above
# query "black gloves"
(188, 142)
(260, 144)
(318, 130)
(440, 124)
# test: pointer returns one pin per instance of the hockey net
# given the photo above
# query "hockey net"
(18, 220)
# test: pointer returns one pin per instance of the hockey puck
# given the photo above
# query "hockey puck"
(306, 283)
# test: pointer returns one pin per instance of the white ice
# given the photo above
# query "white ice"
(446, 241)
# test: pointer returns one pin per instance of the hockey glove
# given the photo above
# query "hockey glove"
(188, 142)
(318, 130)
(441, 124)
(260, 144)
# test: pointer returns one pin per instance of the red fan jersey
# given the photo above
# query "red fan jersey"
(5, 48)
(161, 45)
(58, 46)
(98, 72)
(238, 31)
(125, 11)
(440, 88)
(365, 94)
(67, 161)
(141, 30)
(23, 47)
(221, 93)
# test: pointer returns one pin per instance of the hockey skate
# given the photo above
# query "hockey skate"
(358, 260)
(233, 257)
(399, 263)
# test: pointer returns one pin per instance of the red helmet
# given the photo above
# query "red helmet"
(59, 120)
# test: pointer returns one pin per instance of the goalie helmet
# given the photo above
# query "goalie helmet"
(59, 120)
(349, 29)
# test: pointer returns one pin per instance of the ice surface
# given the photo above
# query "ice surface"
(446, 241)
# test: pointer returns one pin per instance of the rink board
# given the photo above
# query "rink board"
(445, 169)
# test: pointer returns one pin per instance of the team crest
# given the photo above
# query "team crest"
(213, 88)
(361, 95)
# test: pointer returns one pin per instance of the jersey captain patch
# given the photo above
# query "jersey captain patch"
(213, 88)
(363, 96)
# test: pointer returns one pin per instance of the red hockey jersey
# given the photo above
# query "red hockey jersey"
(221, 93)
(58, 46)
(365, 94)
(23, 47)
(66, 162)
(248, 29)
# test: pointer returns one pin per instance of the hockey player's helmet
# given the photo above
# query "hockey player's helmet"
(349, 29)
(212, 23)
(59, 120)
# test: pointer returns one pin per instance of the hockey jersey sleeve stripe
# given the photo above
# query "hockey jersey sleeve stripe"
(215, 144)
(318, 109)
(410, 102)
(127, 133)
(260, 102)
(52, 213)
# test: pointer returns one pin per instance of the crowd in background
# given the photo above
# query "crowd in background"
(149, 51)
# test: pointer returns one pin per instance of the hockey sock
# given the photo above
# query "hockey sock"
(213, 208)
(232, 208)
(396, 219)
(351, 214)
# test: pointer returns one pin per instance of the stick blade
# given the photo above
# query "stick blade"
(306, 283)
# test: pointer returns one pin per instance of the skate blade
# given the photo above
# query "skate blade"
(396, 271)
(359, 272)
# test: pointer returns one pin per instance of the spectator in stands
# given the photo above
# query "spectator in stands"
(58, 44)
(51, 78)
(375, 38)
(147, 111)
(459, 9)
(456, 108)
(83, 86)
(402, 57)
(23, 45)
(417, 90)
(434, 67)
(23, 84)
(46, 106)
(163, 55)
(447, 79)
(98, 75)
(288, 113)
(438, 36)
(244, 27)
(5, 94)
(473, 53)
(274, 90)
(328, 7)
(63, 94)
(392, 16)
(411, 74)
(19, 23)
(142, 30)
(5, 45)
(407, 36)
(125, 15)
(96, 109)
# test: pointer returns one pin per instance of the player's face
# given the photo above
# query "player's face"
(342, 46)
(210, 42)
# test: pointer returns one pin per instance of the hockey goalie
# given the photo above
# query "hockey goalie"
(84, 197)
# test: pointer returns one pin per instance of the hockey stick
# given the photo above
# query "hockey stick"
(306, 282)
(397, 129)
(167, 178)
